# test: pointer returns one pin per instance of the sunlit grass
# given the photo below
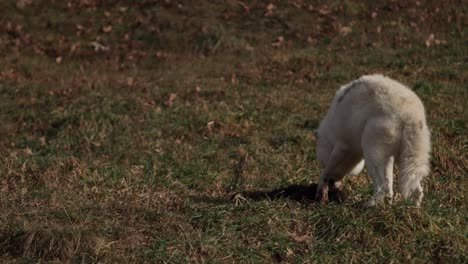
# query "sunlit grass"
(150, 148)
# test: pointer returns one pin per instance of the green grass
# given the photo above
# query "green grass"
(139, 143)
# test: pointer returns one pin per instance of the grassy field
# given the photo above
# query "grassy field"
(182, 131)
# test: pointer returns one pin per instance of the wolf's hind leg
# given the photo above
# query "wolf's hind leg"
(380, 140)
(381, 171)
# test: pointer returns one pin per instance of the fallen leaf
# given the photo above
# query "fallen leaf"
(21, 4)
(98, 46)
(74, 47)
(269, 9)
(249, 47)
(345, 31)
(244, 6)
(107, 29)
(136, 170)
(430, 40)
(42, 141)
(213, 126)
(130, 81)
(279, 42)
(234, 79)
(324, 10)
(301, 238)
(26, 151)
(171, 99)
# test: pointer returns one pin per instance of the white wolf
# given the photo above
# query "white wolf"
(377, 120)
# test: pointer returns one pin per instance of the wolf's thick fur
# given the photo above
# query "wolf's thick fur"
(379, 120)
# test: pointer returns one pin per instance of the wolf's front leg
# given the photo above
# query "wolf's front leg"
(328, 175)
(321, 194)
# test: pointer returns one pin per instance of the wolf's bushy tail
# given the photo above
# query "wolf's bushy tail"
(414, 159)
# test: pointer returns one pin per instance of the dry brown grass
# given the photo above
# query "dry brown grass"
(47, 244)
(127, 129)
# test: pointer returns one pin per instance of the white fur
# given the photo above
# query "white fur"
(379, 120)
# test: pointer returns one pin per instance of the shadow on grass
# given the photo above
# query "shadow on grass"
(296, 192)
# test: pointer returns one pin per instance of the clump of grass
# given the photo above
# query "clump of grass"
(47, 244)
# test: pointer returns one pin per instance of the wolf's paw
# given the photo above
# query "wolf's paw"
(321, 196)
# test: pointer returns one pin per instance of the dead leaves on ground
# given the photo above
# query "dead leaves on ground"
(117, 30)
(432, 40)
(229, 129)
